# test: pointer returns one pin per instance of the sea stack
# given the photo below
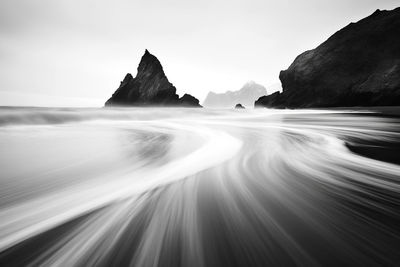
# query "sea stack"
(357, 66)
(239, 106)
(150, 87)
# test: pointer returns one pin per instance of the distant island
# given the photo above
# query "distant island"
(150, 87)
(249, 93)
(357, 66)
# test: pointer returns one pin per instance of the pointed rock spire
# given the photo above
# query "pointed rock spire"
(149, 87)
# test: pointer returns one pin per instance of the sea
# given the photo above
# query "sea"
(199, 187)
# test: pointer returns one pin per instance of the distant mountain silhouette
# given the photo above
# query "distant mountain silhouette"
(250, 92)
(150, 87)
(357, 66)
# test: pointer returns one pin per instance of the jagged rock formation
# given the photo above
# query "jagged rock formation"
(150, 87)
(250, 92)
(239, 106)
(188, 101)
(357, 66)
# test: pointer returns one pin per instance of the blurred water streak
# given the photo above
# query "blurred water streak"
(197, 187)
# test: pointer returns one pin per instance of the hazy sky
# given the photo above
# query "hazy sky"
(67, 52)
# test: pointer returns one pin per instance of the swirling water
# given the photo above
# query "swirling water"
(196, 187)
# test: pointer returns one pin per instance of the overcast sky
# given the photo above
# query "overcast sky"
(67, 52)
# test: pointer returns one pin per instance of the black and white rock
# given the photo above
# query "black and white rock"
(150, 87)
(239, 106)
(357, 66)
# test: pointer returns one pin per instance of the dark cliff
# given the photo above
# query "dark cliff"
(357, 66)
(150, 87)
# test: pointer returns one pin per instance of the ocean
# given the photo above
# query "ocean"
(199, 187)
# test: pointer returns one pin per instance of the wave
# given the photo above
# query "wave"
(183, 187)
(44, 116)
